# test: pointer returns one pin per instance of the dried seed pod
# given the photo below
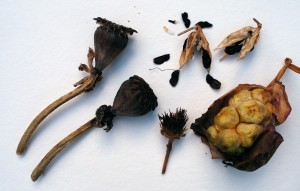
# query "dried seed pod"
(245, 138)
(172, 127)
(134, 98)
(197, 41)
(241, 41)
(110, 39)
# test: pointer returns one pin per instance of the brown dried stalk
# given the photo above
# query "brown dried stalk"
(86, 84)
(39, 169)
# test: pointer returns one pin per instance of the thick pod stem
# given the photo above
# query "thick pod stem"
(169, 148)
(88, 83)
(59, 147)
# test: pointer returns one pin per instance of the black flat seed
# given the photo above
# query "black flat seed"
(215, 84)
(184, 44)
(161, 59)
(204, 24)
(174, 78)
(185, 19)
(206, 60)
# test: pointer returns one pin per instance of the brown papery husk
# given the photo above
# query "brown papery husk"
(265, 146)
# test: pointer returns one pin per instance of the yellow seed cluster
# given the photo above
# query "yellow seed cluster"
(238, 125)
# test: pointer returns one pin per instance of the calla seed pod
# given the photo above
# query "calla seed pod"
(249, 143)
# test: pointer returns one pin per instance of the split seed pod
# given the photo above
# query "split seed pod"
(172, 127)
(241, 41)
(239, 127)
(134, 98)
(110, 40)
(196, 41)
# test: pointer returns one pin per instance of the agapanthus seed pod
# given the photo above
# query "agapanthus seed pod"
(172, 127)
(109, 40)
(241, 41)
(196, 41)
(134, 98)
(239, 127)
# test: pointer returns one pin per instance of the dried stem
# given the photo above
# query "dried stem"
(187, 30)
(85, 84)
(288, 62)
(90, 81)
(257, 22)
(169, 148)
(59, 147)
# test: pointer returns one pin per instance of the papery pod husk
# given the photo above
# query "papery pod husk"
(189, 49)
(204, 43)
(236, 37)
(249, 44)
(265, 146)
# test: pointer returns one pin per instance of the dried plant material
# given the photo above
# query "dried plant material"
(161, 59)
(174, 78)
(239, 127)
(172, 127)
(185, 19)
(241, 41)
(197, 41)
(173, 21)
(167, 30)
(110, 40)
(215, 84)
(134, 98)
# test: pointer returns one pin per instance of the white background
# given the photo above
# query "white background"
(43, 42)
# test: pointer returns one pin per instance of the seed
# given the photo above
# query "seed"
(185, 19)
(215, 84)
(172, 21)
(204, 24)
(174, 78)
(206, 60)
(161, 59)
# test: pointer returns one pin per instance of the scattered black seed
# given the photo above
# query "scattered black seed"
(204, 24)
(184, 44)
(161, 59)
(206, 60)
(174, 78)
(185, 19)
(215, 84)
(172, 21)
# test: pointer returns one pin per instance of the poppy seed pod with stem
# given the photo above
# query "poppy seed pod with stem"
(134, 98)
(110, 39)
(172, 127)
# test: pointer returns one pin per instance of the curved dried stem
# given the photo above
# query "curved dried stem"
(86, 85)
(187, 30)
(259, 25)
(169, 148)
(59, 147)
(287, 63)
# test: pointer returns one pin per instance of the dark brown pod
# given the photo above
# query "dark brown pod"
(110, 39)
(267, 142)
(134, 98)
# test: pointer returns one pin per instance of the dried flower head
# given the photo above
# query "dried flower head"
(241, 41)
(134, 98)
(172, 127)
